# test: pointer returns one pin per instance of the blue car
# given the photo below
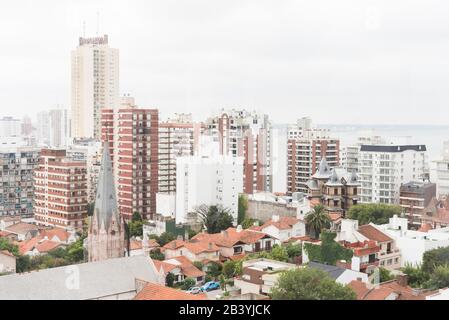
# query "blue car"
(209, 286)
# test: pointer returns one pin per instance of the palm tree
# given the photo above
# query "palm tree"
(318, 219)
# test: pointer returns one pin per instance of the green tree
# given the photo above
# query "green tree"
(188, 283)
(249, 222)
(242, 207)
(215, 218)
(135, 226)
(23, 263)
(293, 250)
(318, 220)
(229, 269)
(170, 280)
(165, 238)
(5, 244)
(416, 276)
(385, 275)
(214, 269)
(329, 252)
(439, 278)
(156, 254)
(377, 213)
(309, 284)
(434, 258)
(198, 264)
(278, 253)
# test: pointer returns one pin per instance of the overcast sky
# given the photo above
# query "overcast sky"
(337, 61)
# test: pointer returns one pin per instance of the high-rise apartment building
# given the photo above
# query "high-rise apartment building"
(88, 150)
(53, 128)
(95, 85)
(178, 137)
(10, 127)
(304, 156)
(132, 136)
(442, 172)
(60, 190)
(207, 180)
(16, 180)
(248, 135)
(383, 168)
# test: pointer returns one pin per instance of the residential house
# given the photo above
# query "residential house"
(38, 246)
(6, 221)
(370, 244)
(7, 262)
(59, 235)
(260, 275)
(436, 213)
(390, 290)
(284, 228)
(339, 274)
(23, 231)
(154, 291)
(413, 244)
(136, 247)
(236, 241)
(181, 267)
(194, 250)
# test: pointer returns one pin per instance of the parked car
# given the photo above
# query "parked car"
(211, 285)
(194, 290)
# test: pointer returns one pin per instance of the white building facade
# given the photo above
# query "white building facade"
(383, 168)
(213, 180)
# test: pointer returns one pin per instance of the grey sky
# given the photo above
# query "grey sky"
(346, 61)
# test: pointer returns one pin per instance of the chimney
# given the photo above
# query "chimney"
(275, 218)
(239, 228)
(174, 244)
(179, 237)
(402, 280)
(210, 245)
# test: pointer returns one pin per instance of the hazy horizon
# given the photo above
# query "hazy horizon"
(347, 62)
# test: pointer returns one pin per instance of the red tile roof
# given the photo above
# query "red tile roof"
(62, 234)
(384, 290)
(5, 233)
(135, 244)
(27, 245)
(372, 233)
(152, 243)
(284, 223)
(21, 228)
(47, 245)
(335, 216)
(231, 237)
(153, 291)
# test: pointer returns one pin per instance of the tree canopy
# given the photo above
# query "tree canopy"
(309, 284)
(242, 207)
(434, 258)
(215, 218)
(318, 219)
(377, 213)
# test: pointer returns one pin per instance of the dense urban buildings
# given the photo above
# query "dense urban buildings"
(10, 127)
(304, 156)
(132, 136)
(17, 165)
(95, 85)
(60, 185)
(53, 128)
(383, 168)
(245, 134)
(178, 137)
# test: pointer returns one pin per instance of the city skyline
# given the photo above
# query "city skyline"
(316, 59)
